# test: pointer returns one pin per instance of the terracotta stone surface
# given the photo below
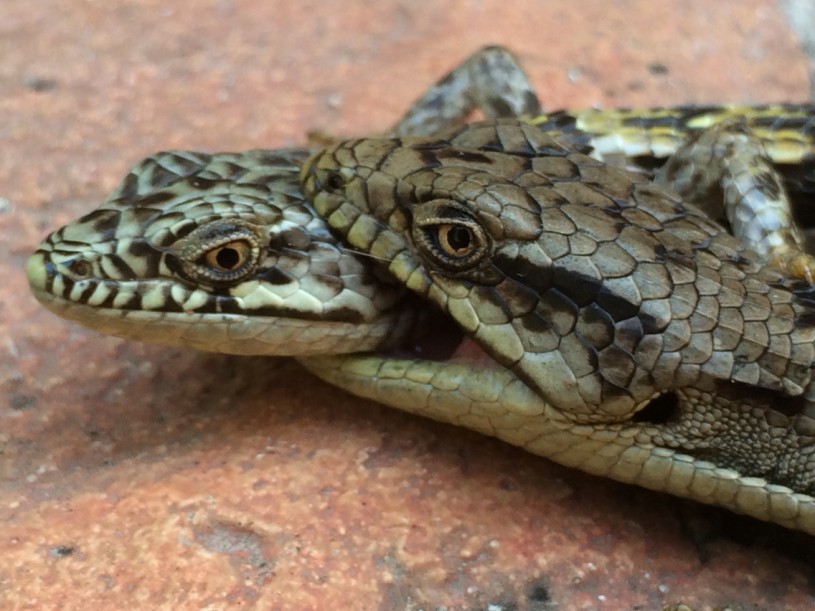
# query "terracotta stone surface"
(134, 476)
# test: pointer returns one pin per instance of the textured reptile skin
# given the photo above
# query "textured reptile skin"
(218, 253)
(298, 293)
(650, 339)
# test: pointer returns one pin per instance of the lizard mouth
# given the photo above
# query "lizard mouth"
(438, 339)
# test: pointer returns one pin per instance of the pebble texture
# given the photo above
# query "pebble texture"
(146, 477)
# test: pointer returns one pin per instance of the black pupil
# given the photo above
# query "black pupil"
(228, 258)
(458, 238)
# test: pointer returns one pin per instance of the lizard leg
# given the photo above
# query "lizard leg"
(490, 80)
(726, 170)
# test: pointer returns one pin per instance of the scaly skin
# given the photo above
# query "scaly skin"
(726, 159)
(145, 264)
(125, 270)
(217, 253)
(628, 334)
(221, 253)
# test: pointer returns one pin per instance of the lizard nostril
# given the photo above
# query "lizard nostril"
(79, 268)
(333, 181)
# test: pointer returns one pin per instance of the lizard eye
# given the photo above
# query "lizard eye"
(230, 257)
(449, 236)
(455, 240)
(221, 253)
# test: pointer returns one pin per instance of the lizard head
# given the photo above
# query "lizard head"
(215, 252)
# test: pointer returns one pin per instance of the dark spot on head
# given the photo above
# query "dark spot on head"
(154, 199)
(182, 164)
(179, 233)
(534, 323)
(465, 155)
(129, 187)
(197, 182)
(123, 270)
(349, 315)
(149, 256)
(580, 288)
(275, 276)
(657, 68)
(427, 153)
(617, 307)
(524, 271)
(140, 249)
(601, 324)
(102, 220)
(433, 145)
(652, 325)
(295, 238)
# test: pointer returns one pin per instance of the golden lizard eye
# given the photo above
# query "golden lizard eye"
(455, 240)
(221, 253)
(447, 235)
(229, 257)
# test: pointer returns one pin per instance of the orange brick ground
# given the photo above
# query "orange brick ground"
(144, 477)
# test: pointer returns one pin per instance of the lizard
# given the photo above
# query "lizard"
(625, 332)
(222, 252)
(114, 250)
